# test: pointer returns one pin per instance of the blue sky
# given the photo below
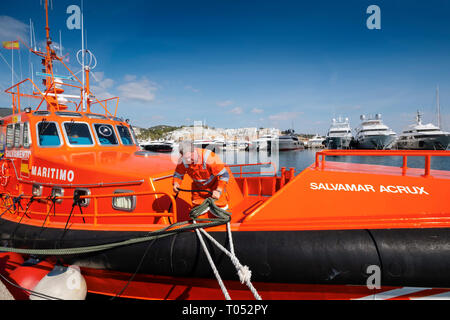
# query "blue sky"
(254, 63)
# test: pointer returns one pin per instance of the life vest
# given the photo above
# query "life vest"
(204, 171)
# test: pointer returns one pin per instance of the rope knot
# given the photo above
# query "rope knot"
(244, 274)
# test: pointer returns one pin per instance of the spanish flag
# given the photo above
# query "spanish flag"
(11, 45)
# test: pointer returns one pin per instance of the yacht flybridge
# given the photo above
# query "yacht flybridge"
(76, 190)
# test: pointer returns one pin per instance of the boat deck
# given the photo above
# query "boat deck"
(382, 169)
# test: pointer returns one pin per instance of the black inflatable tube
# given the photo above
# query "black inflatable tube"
(407, 257)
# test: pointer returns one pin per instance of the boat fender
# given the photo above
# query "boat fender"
(5, 174)
(28, 275)
(65, 283)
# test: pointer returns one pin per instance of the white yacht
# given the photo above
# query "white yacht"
(289, 141)
(423, 136)
(372, 133)
(316, 142)
(265, 142)
(213, 145)
(339, 135)
(240, 145)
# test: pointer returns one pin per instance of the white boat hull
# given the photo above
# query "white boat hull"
(378, 142)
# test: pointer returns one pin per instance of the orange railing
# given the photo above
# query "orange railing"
(274, 172)
(106, 103)
(382, 153)
(96, 214)
(44, 96)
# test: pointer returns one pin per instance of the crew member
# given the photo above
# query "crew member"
(207, 172)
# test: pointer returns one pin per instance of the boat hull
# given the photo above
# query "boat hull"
(428, 142)
(378, 142)
(406, 257)
(338, 142)
(286, 146)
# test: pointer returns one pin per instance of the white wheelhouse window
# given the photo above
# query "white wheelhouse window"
(105, 134)
(125, 135)
(133, 134)
(9, 135)
(26, 136)
(78, 134)
(17, 135)
(48, 134)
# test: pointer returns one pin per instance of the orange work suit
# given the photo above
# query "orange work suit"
(207, 173)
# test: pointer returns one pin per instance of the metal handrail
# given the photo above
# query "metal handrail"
(251, 164)
(379, 153)
(96, 214)
(44, 95)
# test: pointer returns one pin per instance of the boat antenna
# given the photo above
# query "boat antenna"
(29, 55)
(34, 36)
(60, 44)
(48, 49)
(82, 57)
(6, 62)
(12, 68)
(87, 64)
(418, 117)
(438, 107)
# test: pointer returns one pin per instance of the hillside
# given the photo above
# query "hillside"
(156, 132)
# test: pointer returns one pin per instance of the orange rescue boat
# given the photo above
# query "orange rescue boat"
(75, 185)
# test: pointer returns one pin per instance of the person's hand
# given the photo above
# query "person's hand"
(176, 185)
(216, 194)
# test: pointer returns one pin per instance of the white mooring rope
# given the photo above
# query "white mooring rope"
(213, 266)
(243, 272)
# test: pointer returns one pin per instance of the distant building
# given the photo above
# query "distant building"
(198, 133)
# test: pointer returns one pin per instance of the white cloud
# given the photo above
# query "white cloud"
(130, 77)
(237, 110)
(101, 85)
(99, 77)
(101, 93)
(283, 116)
(141, 90)
(107, 83)
(257, 110)
(224, 103)
(12, 29)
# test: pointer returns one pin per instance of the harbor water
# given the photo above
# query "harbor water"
(301, 159)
